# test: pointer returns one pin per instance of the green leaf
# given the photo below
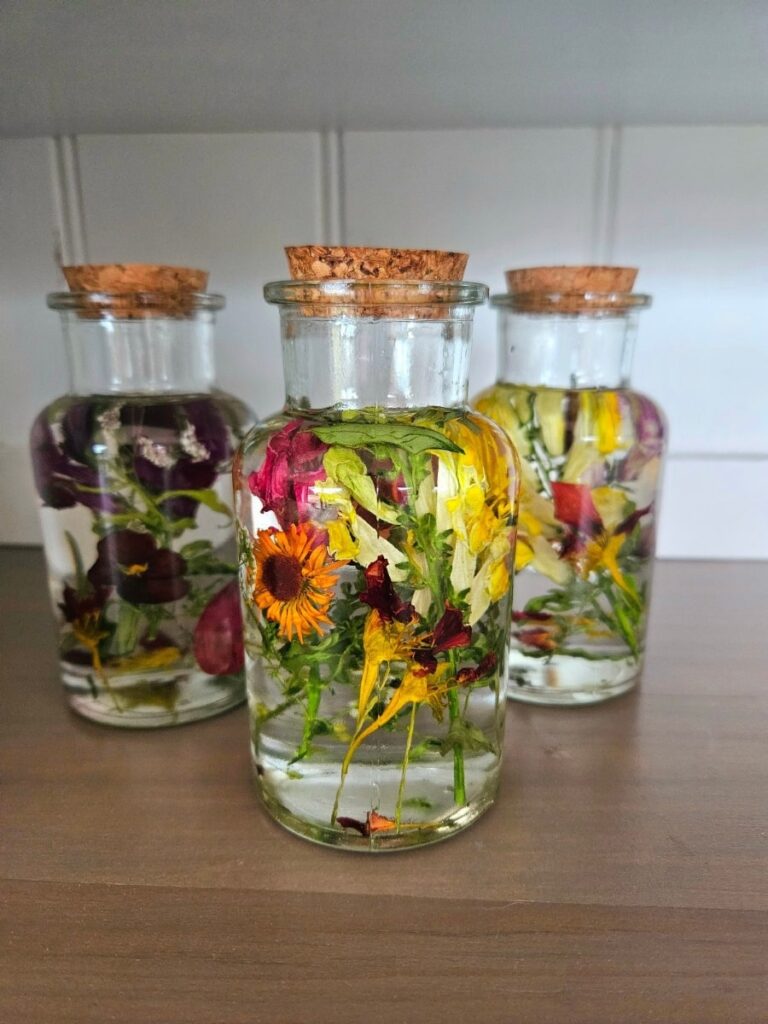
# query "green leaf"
(196, 549)
(409, 437)
(127, 630)
(202, 560)
(347, 468)
(468, 737)
(121, 519)
(208, 497)
(179, 526)
(82, 585)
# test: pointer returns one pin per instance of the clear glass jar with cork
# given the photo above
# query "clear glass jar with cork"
(132, 467)
(376, 517)
(591, 451)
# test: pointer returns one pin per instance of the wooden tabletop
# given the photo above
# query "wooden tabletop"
(621, 877)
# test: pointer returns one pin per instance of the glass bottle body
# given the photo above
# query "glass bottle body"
(591, 453)
(375, 550)
(137, 524)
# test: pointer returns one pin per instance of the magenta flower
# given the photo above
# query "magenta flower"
(293, 463)
(218, 639)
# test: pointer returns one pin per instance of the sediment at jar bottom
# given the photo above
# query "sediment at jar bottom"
(591, 460)
(138, 535)
(375, 558)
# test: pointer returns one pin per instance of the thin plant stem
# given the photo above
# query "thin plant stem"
(406, 756)
(459, 788)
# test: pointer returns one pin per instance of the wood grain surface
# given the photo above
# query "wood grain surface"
(622, 876)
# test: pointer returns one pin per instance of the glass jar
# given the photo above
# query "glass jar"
(376, 544)
(132, 467)
(591, 452)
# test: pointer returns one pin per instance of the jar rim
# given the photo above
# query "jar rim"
(129, 305)
(572, 303)
(366, 293)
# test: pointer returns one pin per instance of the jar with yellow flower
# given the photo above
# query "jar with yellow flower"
(376, 518)
(591, 452)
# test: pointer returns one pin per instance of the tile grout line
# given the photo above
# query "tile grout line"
(332, 206)
(605, 193)
(67, 195)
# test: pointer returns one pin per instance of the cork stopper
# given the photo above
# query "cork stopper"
(136, 290)
(571, 289)
(385, 269)
(318, 262)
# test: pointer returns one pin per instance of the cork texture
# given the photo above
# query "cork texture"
(313, 263)
(318, 262)
(577, 287)
(171, 288)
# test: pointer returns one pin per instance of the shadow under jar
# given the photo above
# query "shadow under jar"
(591, 452)
(133, 471)
(376, 548)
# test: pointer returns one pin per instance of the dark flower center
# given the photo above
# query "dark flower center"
(282, 577)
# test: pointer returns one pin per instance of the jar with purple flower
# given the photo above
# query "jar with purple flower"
(591, 451)
(132, 467)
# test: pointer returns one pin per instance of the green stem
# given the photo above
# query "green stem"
(77, 558)
(459, 788)
(314, 691)
(406, 756)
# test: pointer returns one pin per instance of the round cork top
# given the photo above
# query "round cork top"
(133, 290)
(572, 289)
(364, 281)
(352, 263)
(121, 278)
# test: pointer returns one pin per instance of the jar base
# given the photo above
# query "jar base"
(153, 700)
(564, 680)
(409, 835)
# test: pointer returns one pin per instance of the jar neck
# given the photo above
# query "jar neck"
(356, 362)
(147, 355)
(566, 351)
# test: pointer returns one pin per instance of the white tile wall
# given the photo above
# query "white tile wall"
(228, 203)
(31, 360)
(689, 205)
(693, 213)
(509, 198)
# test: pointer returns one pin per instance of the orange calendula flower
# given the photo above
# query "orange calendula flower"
(295, 579)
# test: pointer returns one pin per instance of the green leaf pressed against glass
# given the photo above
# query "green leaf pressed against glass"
(201, 559)
(410, 437)
(127, 630)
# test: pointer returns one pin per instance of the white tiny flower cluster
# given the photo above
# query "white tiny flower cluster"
(109, 422)
(154, 452)
(192, 446)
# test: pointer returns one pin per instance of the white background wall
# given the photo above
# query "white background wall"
(688, 205)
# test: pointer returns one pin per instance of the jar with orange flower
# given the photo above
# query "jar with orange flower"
(376, 521)
(591, 452)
